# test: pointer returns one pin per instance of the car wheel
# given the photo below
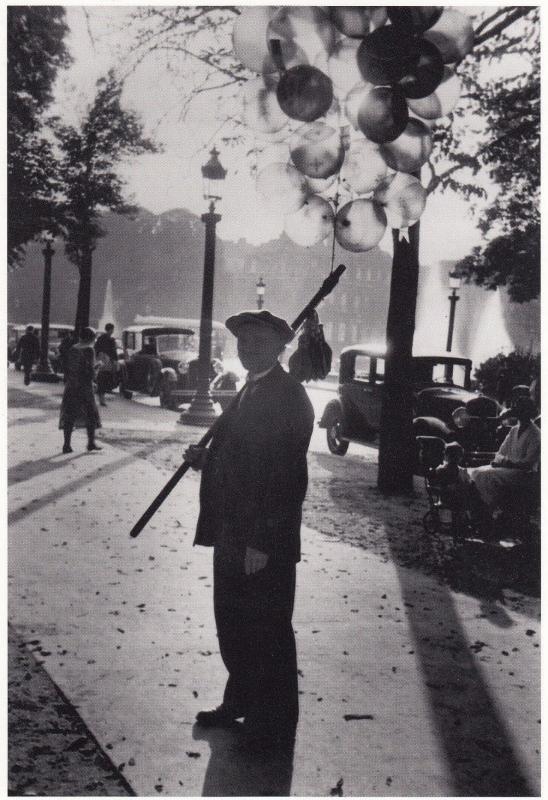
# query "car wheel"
(166, 396)
(333, 432)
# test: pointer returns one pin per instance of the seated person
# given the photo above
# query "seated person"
(511, 473)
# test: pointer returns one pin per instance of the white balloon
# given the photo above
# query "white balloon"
(317, 150)
(320, 185)
(442, 101)
(282, 188)
(403, 197)
(410, 150)
(342, 66)
(311, 223)
(249, 38)
(360, 225)
(261, 110)
(453, 35)
(271, 154)
(354, 100)
(363, 166)
(307, 27)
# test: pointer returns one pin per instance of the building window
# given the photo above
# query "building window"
(342, 331)
(354, 333)
(344, 300)
(328, 329)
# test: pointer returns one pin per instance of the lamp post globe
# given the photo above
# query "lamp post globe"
(202, 410)
(260, 286)
(454, 285)
(43, 371)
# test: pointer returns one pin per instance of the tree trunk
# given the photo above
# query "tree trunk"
(397, 446)
(84, 291)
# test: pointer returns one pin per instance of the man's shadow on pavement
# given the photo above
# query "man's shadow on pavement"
(473, 735)
(231, 772)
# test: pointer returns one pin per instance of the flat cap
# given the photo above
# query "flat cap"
(262, 318)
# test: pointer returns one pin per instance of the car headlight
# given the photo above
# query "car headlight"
(461, 417)
(182, 367)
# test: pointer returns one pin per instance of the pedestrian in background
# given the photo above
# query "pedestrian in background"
(253, 485)
(105, 351)
(27, 352)
(69, 338)
(78, 407)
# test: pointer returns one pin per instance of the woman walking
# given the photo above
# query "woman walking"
(78, 408)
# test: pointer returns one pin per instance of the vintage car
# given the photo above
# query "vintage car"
(444, 404)
(56, 333)
(162, 360)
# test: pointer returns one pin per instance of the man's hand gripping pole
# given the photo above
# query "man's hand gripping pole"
(326, 288)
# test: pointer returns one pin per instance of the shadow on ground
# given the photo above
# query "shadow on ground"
(473, 735)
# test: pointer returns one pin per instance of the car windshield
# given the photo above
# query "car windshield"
(440, 372)
(175, 343)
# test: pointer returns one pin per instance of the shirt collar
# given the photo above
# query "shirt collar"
(253, 378)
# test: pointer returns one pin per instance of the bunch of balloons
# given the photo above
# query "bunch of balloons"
(344, 101)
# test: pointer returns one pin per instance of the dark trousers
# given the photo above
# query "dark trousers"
(27, 369)
(253, 616)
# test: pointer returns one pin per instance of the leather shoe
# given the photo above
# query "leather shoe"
(219, 717)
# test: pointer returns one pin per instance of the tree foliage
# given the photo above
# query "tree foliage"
(520, 369)
(495, 130)
(89, 157)
(36, 51)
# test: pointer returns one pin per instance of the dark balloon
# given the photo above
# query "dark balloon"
(385, 55)
(426, 74)
(357, 21)
(414, 19)
(305, 93)
(383, 114)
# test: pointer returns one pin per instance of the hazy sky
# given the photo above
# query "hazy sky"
(172, 179)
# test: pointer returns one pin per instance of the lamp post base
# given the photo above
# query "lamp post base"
(202, 411)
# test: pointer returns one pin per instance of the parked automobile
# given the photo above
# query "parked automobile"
(56, 333)
(162, 360)
(444, 404)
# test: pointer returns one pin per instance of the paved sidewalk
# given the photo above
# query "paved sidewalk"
(50, 751)
(406, 688)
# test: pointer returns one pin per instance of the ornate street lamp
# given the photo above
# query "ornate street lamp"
(454, 285)
(43, 370)
(261, 286)
(202, 410)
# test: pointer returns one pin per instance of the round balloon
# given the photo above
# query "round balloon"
(308, 27)
(271, 154)
(304, 93)
(360, 225)
(261, 110)
(311, 223)
(320, 185)
(414, 19)
(426, 72)
(411, 150)
(403, 198)
(357, 21)
(385, 55)
(282, 187)
(317, 150)
(249, 38)
(364, 167)
(383, 114)
(453, 35)
(442, 101)
(353, 101)
(342, 66)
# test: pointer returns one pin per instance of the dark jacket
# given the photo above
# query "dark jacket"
(106, 344)
(28, 349)
(255, 478)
